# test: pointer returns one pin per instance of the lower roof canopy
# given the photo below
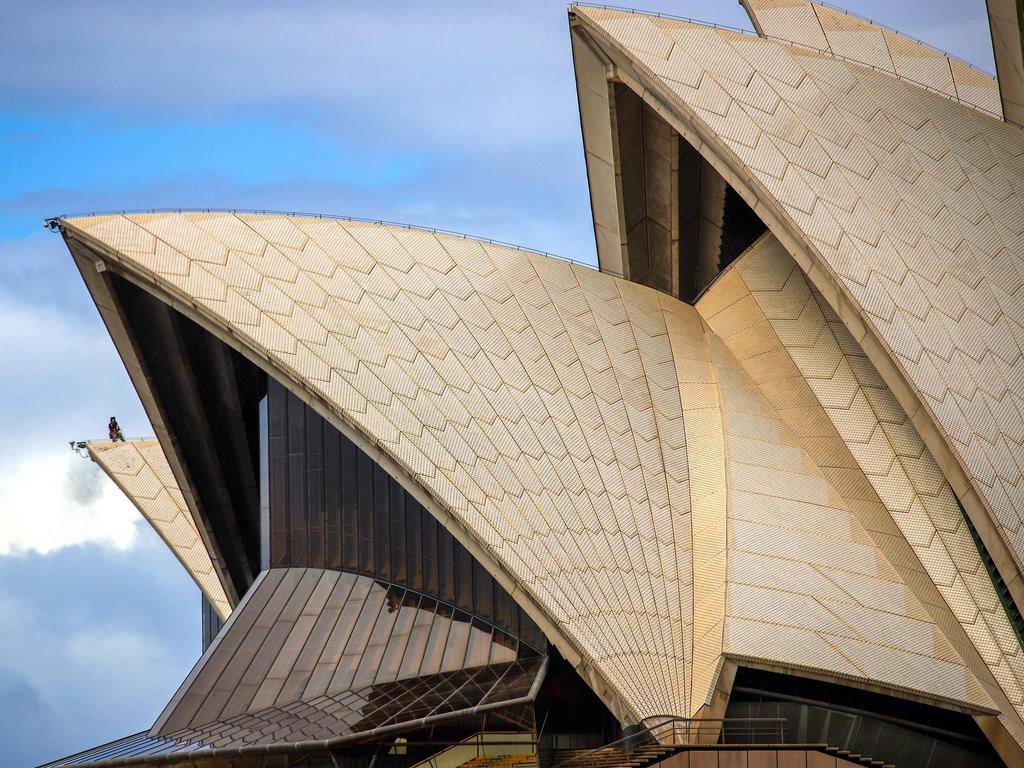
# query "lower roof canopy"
(314, 657)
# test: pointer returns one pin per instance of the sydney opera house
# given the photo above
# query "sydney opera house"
(749, 494)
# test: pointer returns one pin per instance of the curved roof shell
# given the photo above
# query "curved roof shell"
(532, 405)
(140, 469)
(902, 206)
(843, 416)
(1004, 21)
(846, 36)
(602, 450)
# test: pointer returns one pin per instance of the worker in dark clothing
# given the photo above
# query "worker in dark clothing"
(114, 430)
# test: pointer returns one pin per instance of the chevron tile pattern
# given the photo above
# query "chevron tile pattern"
(705, 548)
(809, 470)
(604, 445)
(140, 469)
(538, 402)
(810, 581)
(905, 202)
(826, 389)
(829, 29)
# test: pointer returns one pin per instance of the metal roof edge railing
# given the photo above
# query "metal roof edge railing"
(54, 223)
(922, 43)
(193, 753)
(830, 54)
(661, 15)
(837, 9)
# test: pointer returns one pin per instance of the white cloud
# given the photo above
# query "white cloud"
(477, 77)
(94, 644)
(61, 377)
(54, 500)
(55, 363)
(36, 333)
(116, 653)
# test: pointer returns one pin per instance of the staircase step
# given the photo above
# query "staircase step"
(643, 756)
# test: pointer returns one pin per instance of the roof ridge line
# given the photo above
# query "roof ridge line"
(54, 222)
(826, 52)
(911, 38)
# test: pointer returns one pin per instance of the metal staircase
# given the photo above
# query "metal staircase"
(669, 736)
(502, 761)
(486, 750)
(611, 756)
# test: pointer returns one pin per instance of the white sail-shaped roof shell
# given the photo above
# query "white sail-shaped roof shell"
(901, 205)
(599, 447)
(140, 469)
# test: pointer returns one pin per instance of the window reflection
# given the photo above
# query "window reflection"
(377, 655)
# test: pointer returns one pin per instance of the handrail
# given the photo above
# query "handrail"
(54, 222)
(836, 8)
(101, 440)
(831, 54)
(922, 43)
(482, 743)
(661, 15)
(694, 728)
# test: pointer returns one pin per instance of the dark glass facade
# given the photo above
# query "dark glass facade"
(1005, 598)
(207, 398)
(331, 506)
(683, 222)
(212, 623)
(898, 731)
(740, 227)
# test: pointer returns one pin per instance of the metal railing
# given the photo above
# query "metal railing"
(836, 8)
(724, 730)
(658, 739)
(911, 38)
(888, 73)
(481, 750)
(668, 16)
(54, 222)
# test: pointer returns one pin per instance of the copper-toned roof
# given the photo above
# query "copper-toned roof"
(315, 655)
(312, 659)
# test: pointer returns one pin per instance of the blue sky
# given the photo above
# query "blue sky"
(455, 115)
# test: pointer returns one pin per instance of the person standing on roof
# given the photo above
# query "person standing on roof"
(114, 430)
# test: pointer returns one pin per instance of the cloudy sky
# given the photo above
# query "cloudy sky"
(455, 115)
